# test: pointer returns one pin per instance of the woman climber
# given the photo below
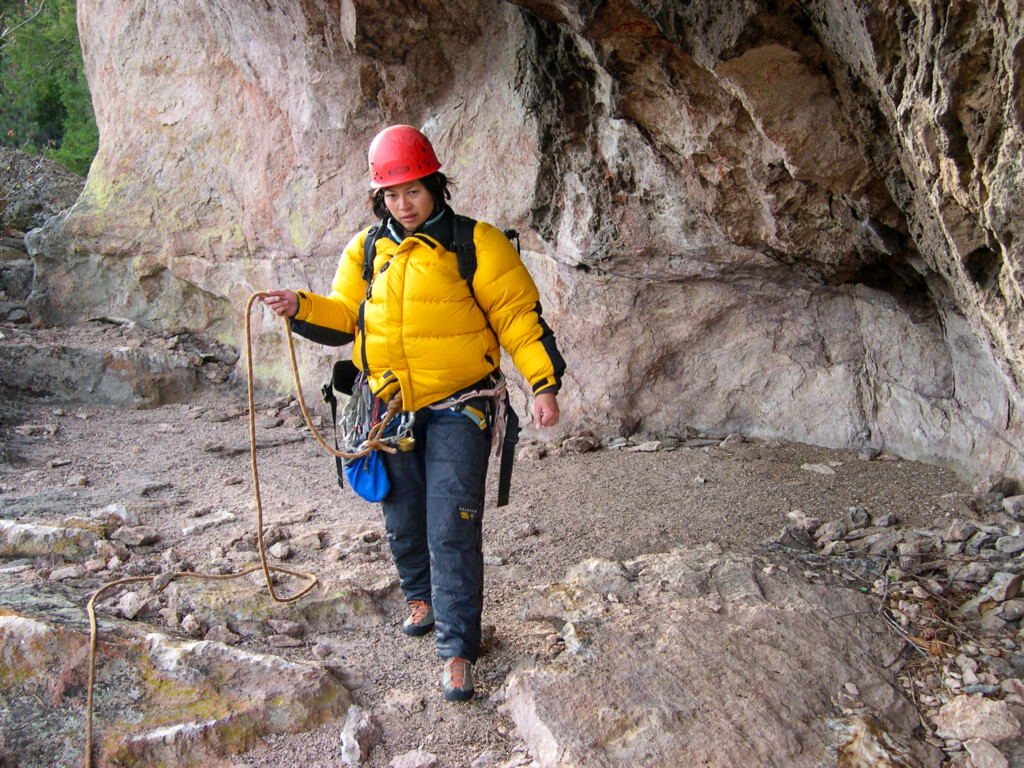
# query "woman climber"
(427, 337)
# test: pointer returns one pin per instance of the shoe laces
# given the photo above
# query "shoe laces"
(419, 610)
(457, 671)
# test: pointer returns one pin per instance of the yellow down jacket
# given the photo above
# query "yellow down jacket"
(425, 331)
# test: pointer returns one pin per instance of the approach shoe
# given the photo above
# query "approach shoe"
(457, 683)
(421, 620)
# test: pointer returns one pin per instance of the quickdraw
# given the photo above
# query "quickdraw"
(364, 428)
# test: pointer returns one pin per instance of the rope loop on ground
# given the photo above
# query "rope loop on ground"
(372, 443)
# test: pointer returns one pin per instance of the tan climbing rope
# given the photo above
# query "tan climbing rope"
(372, 443)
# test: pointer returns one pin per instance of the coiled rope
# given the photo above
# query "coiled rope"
(373, 442)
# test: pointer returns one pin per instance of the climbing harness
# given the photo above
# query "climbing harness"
(503, 418)
(373, 441)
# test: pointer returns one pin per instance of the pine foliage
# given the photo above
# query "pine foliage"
(45, 105)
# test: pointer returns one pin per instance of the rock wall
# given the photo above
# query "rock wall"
(789, 219)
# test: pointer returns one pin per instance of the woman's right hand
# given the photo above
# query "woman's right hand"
(282, 302)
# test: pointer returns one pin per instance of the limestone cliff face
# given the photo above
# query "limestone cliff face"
(789, 219)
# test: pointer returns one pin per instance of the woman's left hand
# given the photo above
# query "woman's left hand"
(545, 410)
(282, 302)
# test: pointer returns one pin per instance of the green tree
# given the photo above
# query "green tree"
(45, 105)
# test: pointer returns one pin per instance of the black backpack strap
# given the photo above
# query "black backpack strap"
(465, 248)
(508, 452)
(512, 234)
(328, 394)
(370, 249)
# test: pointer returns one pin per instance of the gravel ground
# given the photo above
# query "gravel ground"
(192, 459)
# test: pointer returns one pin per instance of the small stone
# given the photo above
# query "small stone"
(1013, 610)
(821, 469)
(835, 548)
(575, 638)
(580, 444)
(36, 430)
(1012, 686)
(532, 452)
(524, 531)
(171, 617)
(235, 480)
(131, 605)
(406, 701)
(1004, 586)
(208, 521)
(221, 634)
(118, 514)
(991, 622)
(272, 535)
(192, 626)
(833, 530)
(975, 717)
(68, 572)
(282, 550)
(1014, 506)
(308, 542)
(284, 641)
(321, 651)
(984, 754)
(651, 446)
(259, 578)
(415, 759)
(359, 736)
(975, 572)
(290, 628)
(161, 580)
(793, 537)
(137, 536)
(1010, 545)
(614, 443)
(987, 503)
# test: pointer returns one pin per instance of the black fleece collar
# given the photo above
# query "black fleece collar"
(439, 227)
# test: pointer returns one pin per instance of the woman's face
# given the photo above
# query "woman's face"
(410, 204)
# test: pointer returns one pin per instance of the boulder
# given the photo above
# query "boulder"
(159, 700)
(679, 684)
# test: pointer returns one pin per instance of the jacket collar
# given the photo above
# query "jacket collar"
(439, 227)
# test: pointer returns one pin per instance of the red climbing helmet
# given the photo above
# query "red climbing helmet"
(399, 154)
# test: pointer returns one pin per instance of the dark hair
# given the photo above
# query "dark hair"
(436, 184)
